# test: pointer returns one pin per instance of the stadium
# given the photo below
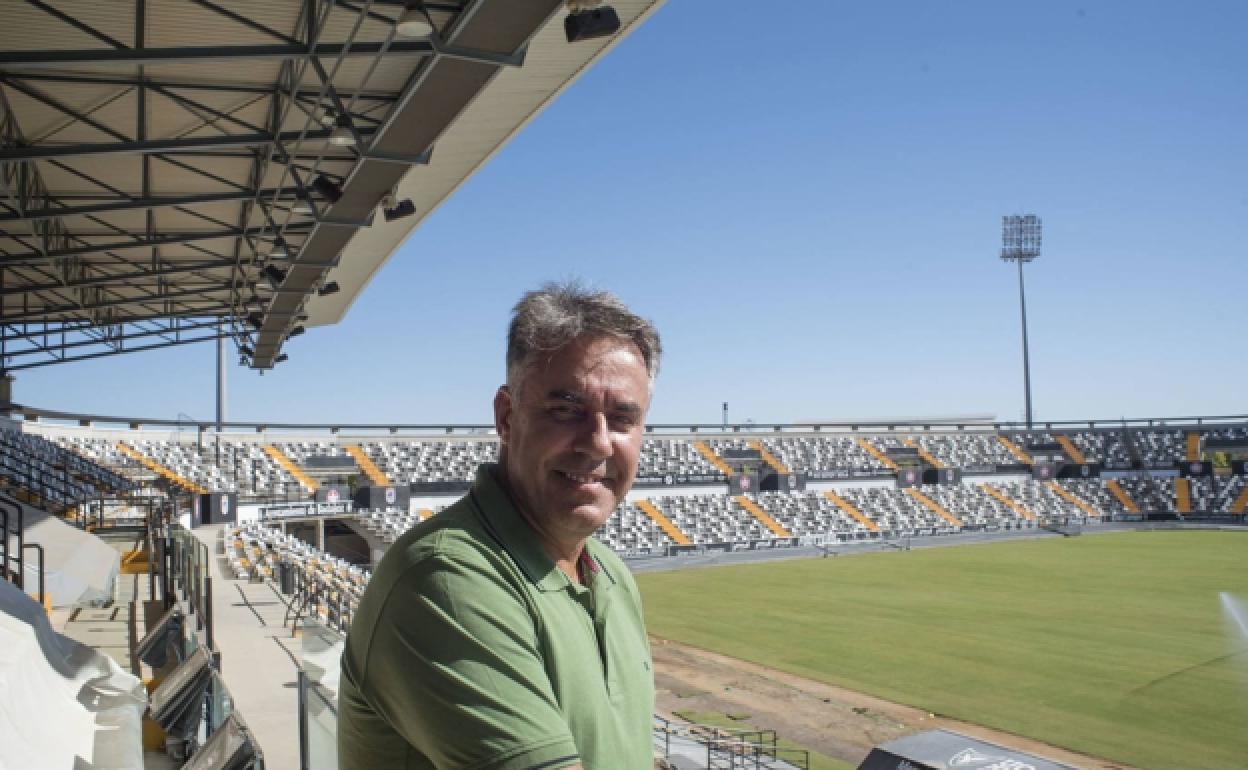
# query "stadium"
(905, 592)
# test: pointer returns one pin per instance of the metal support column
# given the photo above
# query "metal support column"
(220, 386)
(1022, 303)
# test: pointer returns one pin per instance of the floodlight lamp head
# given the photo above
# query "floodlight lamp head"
(329, 288)
(245, 350)
(295, 332)
(404, 208)
(341, 135)
(326, 189)
(588, 20)
(275, 275)
(279, 248)
(303, 205)
(255, 319)
(281, 359)
(414, 22)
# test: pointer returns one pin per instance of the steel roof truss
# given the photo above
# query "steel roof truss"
(77, 24)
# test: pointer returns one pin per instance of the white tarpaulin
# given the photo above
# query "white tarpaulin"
(62, 704)
(79, 569)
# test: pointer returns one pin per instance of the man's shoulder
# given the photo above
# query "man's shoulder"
(455, 533)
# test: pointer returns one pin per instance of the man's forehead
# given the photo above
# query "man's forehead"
(606, 368)
(588, 359)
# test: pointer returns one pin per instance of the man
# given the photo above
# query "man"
(499, 635)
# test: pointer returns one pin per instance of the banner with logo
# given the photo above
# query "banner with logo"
(675, 479)
(1079, 471)
(948, 476)
(909, 477)
(1195, 469)
(438, 488)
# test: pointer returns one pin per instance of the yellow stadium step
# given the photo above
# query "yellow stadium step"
(1193, 446)
(665, 524)
(849, 508)
(160, 470)
(1241, 502)
(762, 516)
(1183, 495)
(375, 474)
(1015, 450)
(1072, 451)
(713, 458)
(768, 457)
(927, 456)
(134, 562)
(1117, 491)
(1012, 504)
(1075, 500)
(281, 459)
(934, 507)
(875, 452)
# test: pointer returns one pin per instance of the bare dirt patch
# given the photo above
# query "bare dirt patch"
(825, 718)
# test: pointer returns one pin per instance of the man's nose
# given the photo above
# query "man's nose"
(595, 437)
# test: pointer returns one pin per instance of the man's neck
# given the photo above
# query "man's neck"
(566, 556)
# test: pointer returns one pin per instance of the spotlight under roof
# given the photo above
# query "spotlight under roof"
(414, 22)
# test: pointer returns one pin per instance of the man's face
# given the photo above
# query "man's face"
(572, 434)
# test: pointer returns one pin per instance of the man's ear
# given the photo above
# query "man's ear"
(503, 408)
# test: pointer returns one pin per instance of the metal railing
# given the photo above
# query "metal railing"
(942, 424)
(15, 565)
(730, 748)
(187, 570)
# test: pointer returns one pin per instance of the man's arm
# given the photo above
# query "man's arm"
(455, 667)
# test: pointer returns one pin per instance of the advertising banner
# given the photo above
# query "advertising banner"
(1195, 469)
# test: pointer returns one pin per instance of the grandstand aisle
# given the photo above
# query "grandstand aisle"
(259, 658)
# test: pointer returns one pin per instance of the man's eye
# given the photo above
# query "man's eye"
(564, 412)
(625, 421)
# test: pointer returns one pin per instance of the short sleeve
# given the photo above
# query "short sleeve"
(455, 666)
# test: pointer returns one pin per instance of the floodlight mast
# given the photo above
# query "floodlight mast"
(1020, 242)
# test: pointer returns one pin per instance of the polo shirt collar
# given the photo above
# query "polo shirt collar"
(514, 533)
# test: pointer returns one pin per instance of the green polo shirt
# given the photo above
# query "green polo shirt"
(471, 649)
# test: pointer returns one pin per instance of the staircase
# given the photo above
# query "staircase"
(1011, 503)
(1075, 500)
(665, 524)
(934, 507)
(875, 452)
(1117, 491)
(768, 457)
(762, 516)
(289, 466)
(1015, 450)
(927, 456)
(1241, 502)
(849, 508)
(713, 458)
(160, 470)
(1071, 450)
(1193, 446)
(1183, 495)
(367, 465)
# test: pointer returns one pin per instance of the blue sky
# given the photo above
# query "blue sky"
(809, 209)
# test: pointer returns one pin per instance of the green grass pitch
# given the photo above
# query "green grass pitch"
(1115, 645)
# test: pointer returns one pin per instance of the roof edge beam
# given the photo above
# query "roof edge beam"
(78, 57)
(40, 152)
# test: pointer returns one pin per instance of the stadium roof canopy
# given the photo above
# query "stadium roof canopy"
(179, 170)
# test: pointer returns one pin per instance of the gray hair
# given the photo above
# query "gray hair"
(546, 320)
